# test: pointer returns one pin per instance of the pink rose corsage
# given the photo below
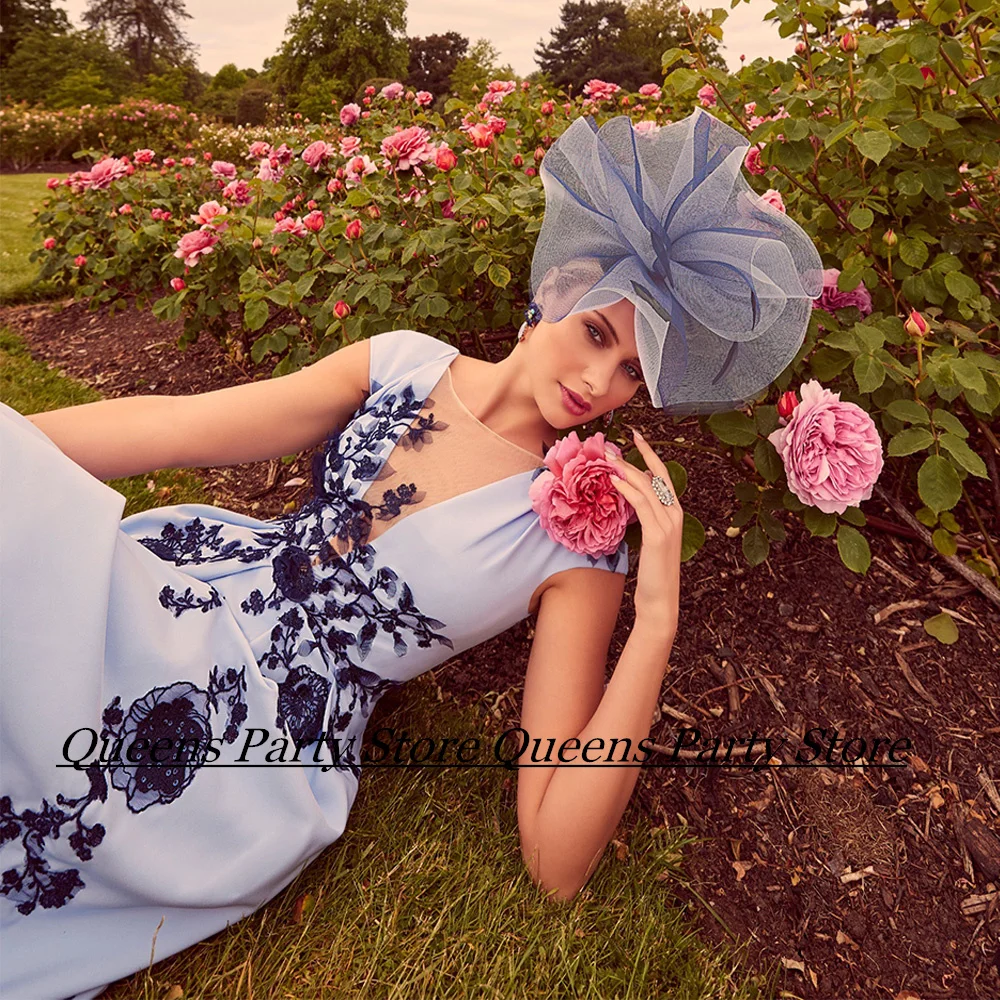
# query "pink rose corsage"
(574, 499)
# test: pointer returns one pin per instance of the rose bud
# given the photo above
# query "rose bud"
(539, 154)
(916, 326)
(177, 284)
(373, 212)
(530, 172)
(801, 48)
(849, 42)
(354, 229)
(341, 309)
(684, 10)
(787, 403)
(445, 159)
(275, 251)
(518, 160)
(314, 221)
(50, 243)
(482, 224)
(927, 72)
(80, 261)
(257, 243)
(889, 238)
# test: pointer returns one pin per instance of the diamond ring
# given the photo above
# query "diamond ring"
(662, 491)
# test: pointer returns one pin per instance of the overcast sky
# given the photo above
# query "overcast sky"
(246, 32)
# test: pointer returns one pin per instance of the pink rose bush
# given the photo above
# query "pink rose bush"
(831, 450)
(574, 499)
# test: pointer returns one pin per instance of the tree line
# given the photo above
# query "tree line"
(331, 51)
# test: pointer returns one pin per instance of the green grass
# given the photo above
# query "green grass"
(425, 894)
(20, 194)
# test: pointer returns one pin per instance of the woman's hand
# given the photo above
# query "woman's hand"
(657, 592)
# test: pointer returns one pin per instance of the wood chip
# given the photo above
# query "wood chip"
(914, 683)
(977, 904)
(986, 783)
(892, 571)
(773, 695)
(889, 609)
(797, 627)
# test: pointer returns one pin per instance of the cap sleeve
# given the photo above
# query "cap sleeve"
(396, 353)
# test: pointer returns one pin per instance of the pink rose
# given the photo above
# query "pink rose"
(600, 90)
(547, 107)
(392, 91)
(651, 90)
(223, 170)
(752, 162)
(574, 499)
(832, 298)
(50, 243)
(357, 168)
(707, 96)
(424, 98)
(349, 145)
(188, 161)
(646, 128)
(831, 450)
(290, 225)
(208, 214)
(773, 198)
(191, 246)
(106, 171)
(178, 284)
(238, 192)
(52, 183)
(259, 149)
(314, 221)
(144, 156)
(406, 148)
(349, 114)
(445, 158)
(80, 261)
(481, 135)
(315, 153)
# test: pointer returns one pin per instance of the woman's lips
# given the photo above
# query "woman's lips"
(573, 403)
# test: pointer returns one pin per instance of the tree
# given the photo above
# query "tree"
(20, 17)
(37, 70)
(620, 43)
(333, 46)
(477, 69)
(433, 60)
(655, 26)
(148, 31)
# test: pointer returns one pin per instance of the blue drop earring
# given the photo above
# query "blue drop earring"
(532, 317)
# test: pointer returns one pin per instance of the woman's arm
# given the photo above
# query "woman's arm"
(242, 423)
(567, 814)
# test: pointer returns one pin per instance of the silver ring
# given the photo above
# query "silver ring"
(662, 491)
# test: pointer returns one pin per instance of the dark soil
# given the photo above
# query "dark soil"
(862, 881)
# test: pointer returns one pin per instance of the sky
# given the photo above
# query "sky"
(246, 32)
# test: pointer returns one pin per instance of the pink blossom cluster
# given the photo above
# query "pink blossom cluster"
(650, 90)
(707, 96)
(832, 298)
(599, 90)
(223, 171)
(357, 168)
(392, 91)
(497, 90)
(238, 192)
(210, 214)
(144, 156)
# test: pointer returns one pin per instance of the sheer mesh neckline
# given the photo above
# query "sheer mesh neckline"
(537, 458)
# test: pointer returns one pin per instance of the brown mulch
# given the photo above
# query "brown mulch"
(865, 882)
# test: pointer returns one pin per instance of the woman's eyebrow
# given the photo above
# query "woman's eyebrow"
(614, 332)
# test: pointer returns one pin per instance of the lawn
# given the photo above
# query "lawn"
(20, 195)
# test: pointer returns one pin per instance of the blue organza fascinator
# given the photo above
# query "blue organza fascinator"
(722, 283)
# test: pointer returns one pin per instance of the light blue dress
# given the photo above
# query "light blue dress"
(190, 627)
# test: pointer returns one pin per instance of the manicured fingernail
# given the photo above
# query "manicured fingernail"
(638, 435)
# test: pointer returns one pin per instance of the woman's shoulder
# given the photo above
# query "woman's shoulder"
(396, 353)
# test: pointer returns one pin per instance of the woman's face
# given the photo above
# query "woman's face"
(593, 355)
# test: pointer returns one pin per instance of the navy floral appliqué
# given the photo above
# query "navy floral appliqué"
(318, 591)
(180, 712)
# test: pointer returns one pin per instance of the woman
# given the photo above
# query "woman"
(146, 661)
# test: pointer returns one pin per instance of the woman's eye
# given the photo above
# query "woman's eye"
(632, 373)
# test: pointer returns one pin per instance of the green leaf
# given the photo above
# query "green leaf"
(826, 363)
(915, 134)
(692, 536)
(755, 546)
(949, 521)
(733, 427)
(943, 628)
(481, 263)
(961, 286)
(938, 483)
(773, 528)
(255, 314)
(765, 419)
(913, 252)
(853, 548)
(960, 451)
(969, 375)
(840, 132)
(910, 440)
(499, 275)
(281, 294)
(744, 515)
(855, 516)
(939, 121)
(872, 145)
(767, 460)
(927, 517)
(944, 542)
(820, 525)
(304, 285)
(678, 476)
(868, 373)
(908, 410)
(861, 217)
